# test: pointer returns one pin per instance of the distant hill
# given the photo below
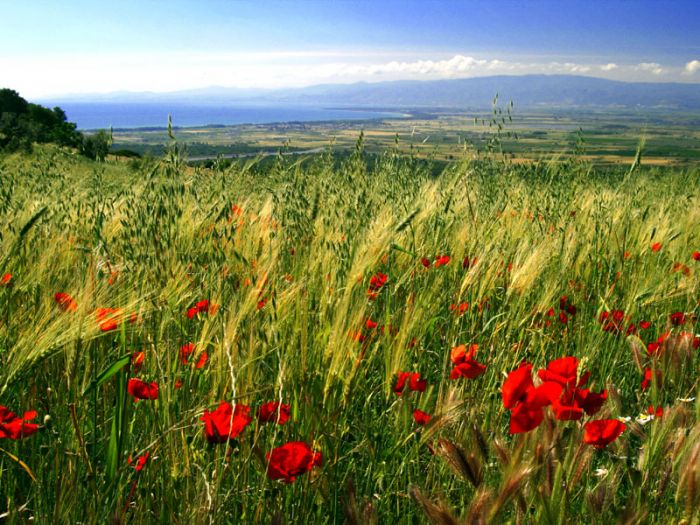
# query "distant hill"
(527, 91)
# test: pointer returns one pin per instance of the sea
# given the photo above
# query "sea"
(103, 115)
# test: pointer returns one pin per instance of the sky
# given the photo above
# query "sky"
(50, 48)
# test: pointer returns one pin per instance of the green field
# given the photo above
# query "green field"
(601, 136)
(327, 276)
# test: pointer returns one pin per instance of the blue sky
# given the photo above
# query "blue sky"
(79, 46)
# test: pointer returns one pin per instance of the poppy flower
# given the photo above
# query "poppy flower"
(186, 351)
(6, 279)
(602, 432)
(421, 418)
(425, 262)
(644, 325)
(466, 263)
(226, 422)
(677, 318)
(441, 260)
(140, 461)
(657, 413)
(679, 267)
(377, 281)
(108, 318)
(565, 305)
(65, 302)
(292, 459)
(261, 303)
(141, 390)
(656, 247)
(649, 377)
(466, 366)
(14, 427)
(203, 306)
(591, 402)
(370, 325)
(178, 384)
(524, 418)
(562, 371)
(357, 336)
(696, 256)
(516, 385)
(273, 412)
(415, 383)
(137, 360)
(460, 308)
(203, 358)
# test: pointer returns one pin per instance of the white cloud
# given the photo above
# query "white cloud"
(651, 67)
(171, 71)
(692, 67)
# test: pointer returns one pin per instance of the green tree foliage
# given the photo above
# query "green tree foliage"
(22, 123)
(96, 146)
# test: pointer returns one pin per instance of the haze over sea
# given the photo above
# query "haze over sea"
(102, 115)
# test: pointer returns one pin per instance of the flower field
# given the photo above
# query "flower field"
(348, 339)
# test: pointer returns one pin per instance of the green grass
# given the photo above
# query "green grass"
(311, 234)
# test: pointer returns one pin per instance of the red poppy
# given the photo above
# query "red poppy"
(460, 308)
(203, 358)
(425, 262)
(140, 461)
(415, 383)
(178, 384)
(524, 418)
(562, 371)
(273, 412)
(466, 366)
(649, 377)
(441, 260)
(421, 418)
(108, 318)
(466, 263)
(565, 305)
(261, 303)
(696, 256)
(644, 325)
(226, 422)
(65, 302)
(357, 336)
(678, 318)
(185, 352)
(142, 390)
(657, 413)
(377, 281)
(291, 460)
(656, 247)
(137, 360)
(602, 432)
(370, 325)
(6, 279)
(14, 427)
(203, 306)
(516, 385)
(680, 267)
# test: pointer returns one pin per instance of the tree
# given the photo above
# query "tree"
(22, 123)
(96, 146)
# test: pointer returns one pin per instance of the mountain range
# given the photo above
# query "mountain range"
(527, 91)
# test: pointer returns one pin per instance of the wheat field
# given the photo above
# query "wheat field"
(348, 339)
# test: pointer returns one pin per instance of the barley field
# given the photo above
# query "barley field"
(348, 339)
